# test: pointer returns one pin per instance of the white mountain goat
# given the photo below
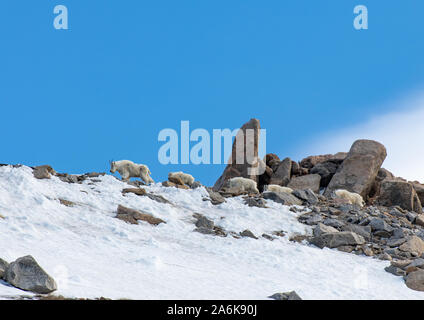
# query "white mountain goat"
(128, 169)
(186, 178)
(278, 189)
(351, 197)
(242, 185)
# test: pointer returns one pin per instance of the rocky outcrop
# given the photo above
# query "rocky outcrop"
(399, 193)
(244, 160)
(312, 161)
(133, 216)
(309, 181)
(26, 274)
(282, 173)
(415, 280)
(359, 169)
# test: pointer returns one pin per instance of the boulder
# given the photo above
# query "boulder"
(133, 216)
(244, 157)
(359, 169)
(337, 239)
(248, 234)
(283, 198)
(312, 161)
(285, 296)
(326, 170)
(3, 267)
(43, 172)
(215, 197)
(26, 274)
(419, 189)
(320, 229)
(399, 193)
(203, 222)
(414, 246)
(282, 173)
(415, 280)
(137, 191)
(306, 195)
(309, 181)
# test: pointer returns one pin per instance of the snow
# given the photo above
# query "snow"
(90, 253)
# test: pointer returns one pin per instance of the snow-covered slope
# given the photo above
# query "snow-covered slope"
(90, 253)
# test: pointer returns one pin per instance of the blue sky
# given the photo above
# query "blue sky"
(127, 69)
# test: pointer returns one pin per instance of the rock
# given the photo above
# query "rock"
(204, 230)
(285, 296)
(281, 176)
(283, 198)
(215, 197)
(312, 161)
(378, 224)
(395, 270)
(299, 238)
(3, 267)
(395, 192)
(244, 158)
(337, 239)
(26, 274)
(358, 171)
(67, 203)
(414, 246)
(137, 191)
(309, 181)
(171, 184)
(326, 170)
(195, 185)
(295, 168)
(306, 195)
(248, 233)
(265, 178)
(43, 172)
(415, 280)
(158, 198)
(419, 189)
(203, 222)
(255, 202)
(419, 263)
(322, 228)
(133, 216)
(419, 220)
(69, 178)
(94, 174)
(333, 223)
(364, 231)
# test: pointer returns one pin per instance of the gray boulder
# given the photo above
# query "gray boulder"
(307, 195)
(3, 267)
(283, 198)
(358, 171)
(26, 274)
(415, 280)
(309, 181)
(281, 174)
(321, 228)
(292, 295)
(337, 239)
(399, 193)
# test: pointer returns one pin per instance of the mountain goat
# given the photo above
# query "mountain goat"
(128, 169)
(242, 184)
(186, 178)
(351, 197)
(278, 189)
